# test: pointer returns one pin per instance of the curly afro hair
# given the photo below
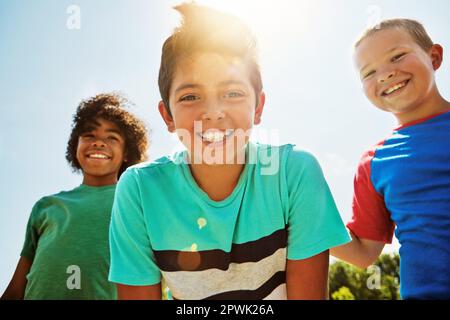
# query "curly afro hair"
(111, 107)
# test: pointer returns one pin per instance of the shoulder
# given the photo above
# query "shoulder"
(163, 163)
(59, 196)
(287, 154)
(299, 161)
(368, 155)
(297, 156)
(279, 160)
(296, 166)
(149, 167)
(46, 202)
(151, 171)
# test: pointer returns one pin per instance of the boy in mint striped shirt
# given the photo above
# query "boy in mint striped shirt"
(226, 218)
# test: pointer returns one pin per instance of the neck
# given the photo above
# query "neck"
(434, 105)
(94, 181)
(218, 181)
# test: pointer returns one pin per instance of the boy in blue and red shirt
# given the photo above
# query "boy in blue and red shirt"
(404, 180)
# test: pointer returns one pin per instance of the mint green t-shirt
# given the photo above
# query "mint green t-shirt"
(67, 240)
(164, 225)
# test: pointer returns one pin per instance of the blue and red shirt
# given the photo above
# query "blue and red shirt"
(404, 182)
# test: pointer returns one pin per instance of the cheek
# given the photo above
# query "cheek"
(79, 151)
(418, 65)
(119, 151)
(245, 110)
(184, 118)
(369, 89)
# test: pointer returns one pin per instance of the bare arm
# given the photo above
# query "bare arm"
(308, 279)
(16, 288)
(359, 252)
(125, 292)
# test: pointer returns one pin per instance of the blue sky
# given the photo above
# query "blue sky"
(314, 98)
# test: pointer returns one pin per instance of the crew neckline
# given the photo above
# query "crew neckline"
(96, 189)
(202, 194)
(421, 120)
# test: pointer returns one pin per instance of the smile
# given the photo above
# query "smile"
(215, 135)
(98, 156)
(395, 87)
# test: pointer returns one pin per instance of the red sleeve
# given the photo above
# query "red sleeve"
(371, 220)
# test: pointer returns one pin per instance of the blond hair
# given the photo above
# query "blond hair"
(414, 28)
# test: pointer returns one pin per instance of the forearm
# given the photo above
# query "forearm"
(126, 292)
(353, 253)
(12, 293)
(359, 252)
(16, 288)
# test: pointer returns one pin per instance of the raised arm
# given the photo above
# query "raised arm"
(16, 288)
(307, 279)
(125, 292)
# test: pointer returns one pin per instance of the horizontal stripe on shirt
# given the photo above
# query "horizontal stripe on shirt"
(250, 280)
(252, 251)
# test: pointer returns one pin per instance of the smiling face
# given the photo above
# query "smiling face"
(213, 107)
(397, 74)
(100, 153)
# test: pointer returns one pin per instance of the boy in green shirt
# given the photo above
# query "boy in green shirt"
(66, 251)
(226, 218)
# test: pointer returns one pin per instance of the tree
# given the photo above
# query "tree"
(379, 282)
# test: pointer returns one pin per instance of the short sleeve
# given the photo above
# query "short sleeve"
(314, 223)
(132, 259)
(371, 220)
(31, 235)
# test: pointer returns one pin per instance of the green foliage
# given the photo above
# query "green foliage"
(378, 282)
(343, 293)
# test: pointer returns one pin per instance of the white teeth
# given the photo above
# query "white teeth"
(98, 156)
(216, 136)
(395, 88)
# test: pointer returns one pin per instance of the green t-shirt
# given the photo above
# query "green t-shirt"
(67, 240)
(164, 224)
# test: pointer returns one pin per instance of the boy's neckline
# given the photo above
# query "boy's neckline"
(202, 194)
(96, 188)
(414, 122)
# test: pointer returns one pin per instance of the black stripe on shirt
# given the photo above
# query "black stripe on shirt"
(252, 251)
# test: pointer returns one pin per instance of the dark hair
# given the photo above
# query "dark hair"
(204, 29)
(414, 28)
(111, 107)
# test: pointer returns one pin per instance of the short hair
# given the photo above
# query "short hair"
(414, 28)
(204, 29)
(111, 107)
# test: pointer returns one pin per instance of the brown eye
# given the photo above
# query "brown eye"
(189, 97)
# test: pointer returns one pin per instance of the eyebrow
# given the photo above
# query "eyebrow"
(114, 131)
(187, 86)
(95, 125)
(229, 82)
(391, 50)
(197, 86)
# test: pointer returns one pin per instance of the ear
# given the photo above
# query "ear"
(259, 108)
(166, 116)
(436, 54)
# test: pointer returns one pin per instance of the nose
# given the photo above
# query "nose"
(386, 76)
(213, 113)
(99, 143)
(214, 116)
